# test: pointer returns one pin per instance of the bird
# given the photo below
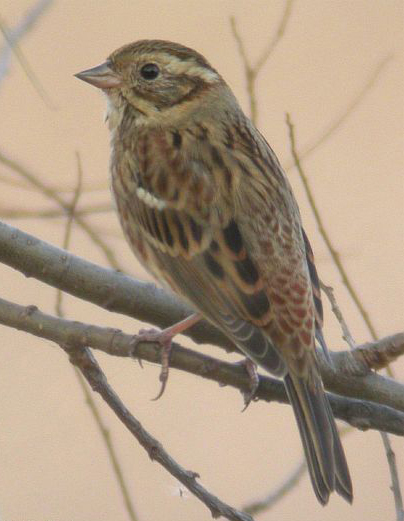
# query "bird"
(207, 209)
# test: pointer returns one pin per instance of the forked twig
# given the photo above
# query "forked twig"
(53, 195)
(323, 232)
(252, 71)
(12, 38)
(84, 360)
(105, 434)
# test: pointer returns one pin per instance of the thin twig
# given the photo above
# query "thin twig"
(288, 484)
(17, 33)
(279, 492)
(12, 40)
(99, 187)
(22, 213)
(331, 128)
(252, 71)
(395, 482)
(324, 234)
(346, 334)
(336, 259)
(68, 228)
(52, 194)
(84, 360)
(105, 434)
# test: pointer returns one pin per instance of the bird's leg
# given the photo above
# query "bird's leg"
(251, 368)
(164, 339)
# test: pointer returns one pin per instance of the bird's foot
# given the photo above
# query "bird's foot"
(165, 342)
(164, 339)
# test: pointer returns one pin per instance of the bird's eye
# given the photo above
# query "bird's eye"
(150, 71)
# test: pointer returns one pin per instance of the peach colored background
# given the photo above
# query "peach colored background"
(53, 463)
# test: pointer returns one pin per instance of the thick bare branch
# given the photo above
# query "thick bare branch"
(107, 288)
(122, 294)
(378, 355)
(360, 414)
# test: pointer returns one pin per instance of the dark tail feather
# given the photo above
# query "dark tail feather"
(324, 453)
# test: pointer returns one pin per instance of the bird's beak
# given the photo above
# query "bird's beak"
(101, 76)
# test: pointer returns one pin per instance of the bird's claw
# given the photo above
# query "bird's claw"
(165, 341)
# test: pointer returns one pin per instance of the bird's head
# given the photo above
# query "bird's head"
(157, 78)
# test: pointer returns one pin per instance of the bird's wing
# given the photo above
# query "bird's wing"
(223, 230)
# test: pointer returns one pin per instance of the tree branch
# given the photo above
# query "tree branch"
(85, 361)
(360, 414)
(144, 301)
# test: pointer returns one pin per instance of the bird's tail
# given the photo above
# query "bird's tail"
(324, 453)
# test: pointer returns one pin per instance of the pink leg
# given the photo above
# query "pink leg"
(164, 338)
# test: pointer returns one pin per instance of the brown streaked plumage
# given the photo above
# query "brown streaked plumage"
(208, 210)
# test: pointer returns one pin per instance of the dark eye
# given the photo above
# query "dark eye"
(150, 71)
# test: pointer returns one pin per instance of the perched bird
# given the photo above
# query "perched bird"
(208, 210)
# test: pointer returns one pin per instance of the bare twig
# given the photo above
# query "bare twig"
(93, 187)
(354, 296)
(84, 360)
(18, 32)
(380, 353)
(324, 234)
(52, 194)
(346, 334)
(395, 482)
(22, 213)
(280, 491)
(88, 396)
(331, 128)
(13, 37)
(252, 71)
(68, 228)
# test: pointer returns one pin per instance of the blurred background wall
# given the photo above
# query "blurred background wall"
(53, 463)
